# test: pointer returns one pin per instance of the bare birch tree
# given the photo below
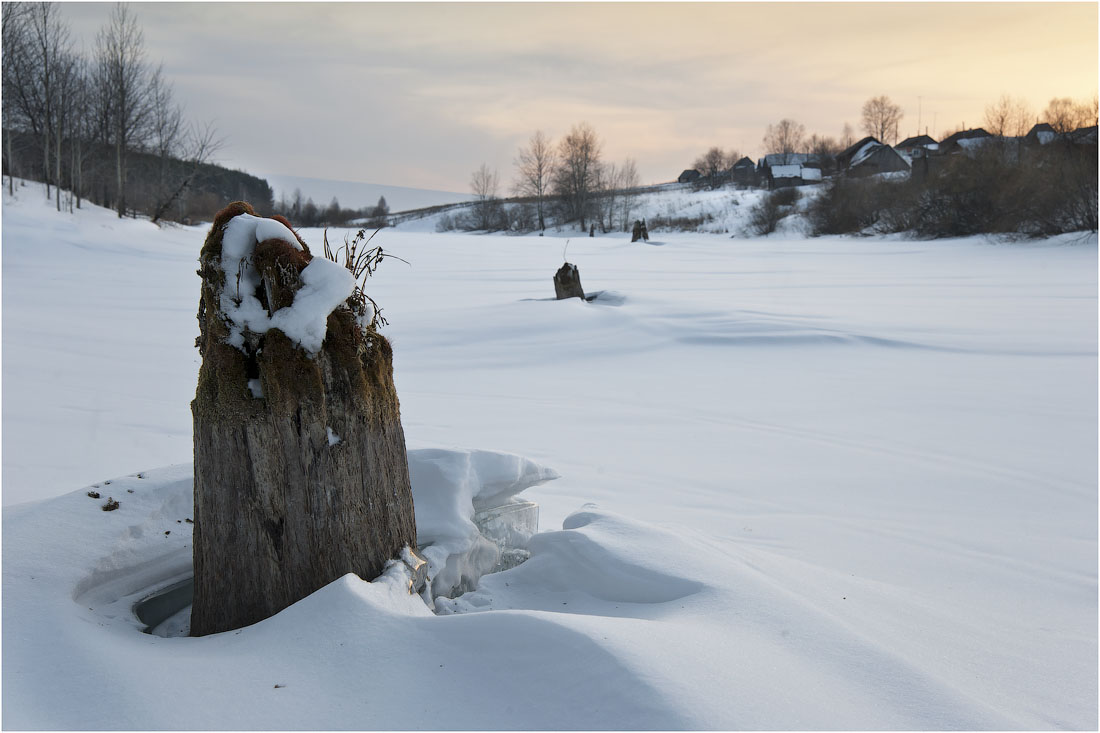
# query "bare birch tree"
(35, 74)
(14, 50)
(628, 195)
(120, 54)
(484, 183)
(784, 137)
(578, 165)
(535, 166)
(1008, 117)
(847, 136)
(881, 118)
(1066, 115)
(715, 165)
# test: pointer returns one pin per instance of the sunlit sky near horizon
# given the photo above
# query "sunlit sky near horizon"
(420, 94)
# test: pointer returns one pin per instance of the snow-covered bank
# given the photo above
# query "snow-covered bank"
(839, 483)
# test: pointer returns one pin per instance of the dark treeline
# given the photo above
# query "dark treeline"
(103, 126)
(306, 213)
(203, 188)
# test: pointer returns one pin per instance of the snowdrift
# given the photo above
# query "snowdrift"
(804, 484)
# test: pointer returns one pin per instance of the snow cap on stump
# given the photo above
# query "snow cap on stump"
(301, 474)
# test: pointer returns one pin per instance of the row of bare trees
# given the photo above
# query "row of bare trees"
(1012, 116)
(880, 118)
(567, 182)
(76, 122)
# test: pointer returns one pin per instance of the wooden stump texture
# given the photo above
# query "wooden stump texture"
(301, 474)
(567, 282)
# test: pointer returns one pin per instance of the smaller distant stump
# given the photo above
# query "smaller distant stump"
(640, 231)
(567, 282)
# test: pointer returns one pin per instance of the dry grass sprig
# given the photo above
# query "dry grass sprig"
(362, 261)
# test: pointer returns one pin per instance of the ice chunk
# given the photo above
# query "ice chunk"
(467, 522)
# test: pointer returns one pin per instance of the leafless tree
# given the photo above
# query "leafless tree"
(784, 137)
(120, 55)
(14, 50)
(881, 118)
(628, 195)
(41, 43)
(82, 127)
(824, 148)
(1066, 115)
(578, 164)
(605, 190)
(485, 183)
(68, 83)
(535, 165)
(715, 165)
(847, 136)
(1008, 117)
(198, 146)
(1091, 110)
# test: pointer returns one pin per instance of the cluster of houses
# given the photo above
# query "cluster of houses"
(916, 156)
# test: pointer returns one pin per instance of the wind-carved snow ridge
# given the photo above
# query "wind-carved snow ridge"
(325, 285)
(469, 524)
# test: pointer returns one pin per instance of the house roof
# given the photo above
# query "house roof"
(846, 157)
(964, 135)
(744, 163)
(915, 142)
(690, 173)
(1082, 135)
(774, 159)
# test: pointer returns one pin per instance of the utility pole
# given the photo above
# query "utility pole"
(919, 103)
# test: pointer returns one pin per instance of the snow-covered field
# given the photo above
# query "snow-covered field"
(804, 484)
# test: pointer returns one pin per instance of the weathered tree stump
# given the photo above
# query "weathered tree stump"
(567, 282)
(637, 233)
(301, 474)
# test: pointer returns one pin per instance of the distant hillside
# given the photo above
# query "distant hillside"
(151, 181)
(353, 195)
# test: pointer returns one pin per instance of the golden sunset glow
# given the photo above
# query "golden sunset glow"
(420, 93)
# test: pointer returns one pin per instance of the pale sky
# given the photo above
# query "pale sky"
(421, 94)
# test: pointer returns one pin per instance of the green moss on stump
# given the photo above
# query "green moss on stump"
(279, 511)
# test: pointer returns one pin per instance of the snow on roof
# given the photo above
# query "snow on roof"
(774, 159)
(811, 174)
(864, 152)
(787, 171)
(917, 141)
(972, 142)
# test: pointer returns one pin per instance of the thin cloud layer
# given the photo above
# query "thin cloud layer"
(420, 94)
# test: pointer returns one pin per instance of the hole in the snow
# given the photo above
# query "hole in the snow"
(504, 530)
